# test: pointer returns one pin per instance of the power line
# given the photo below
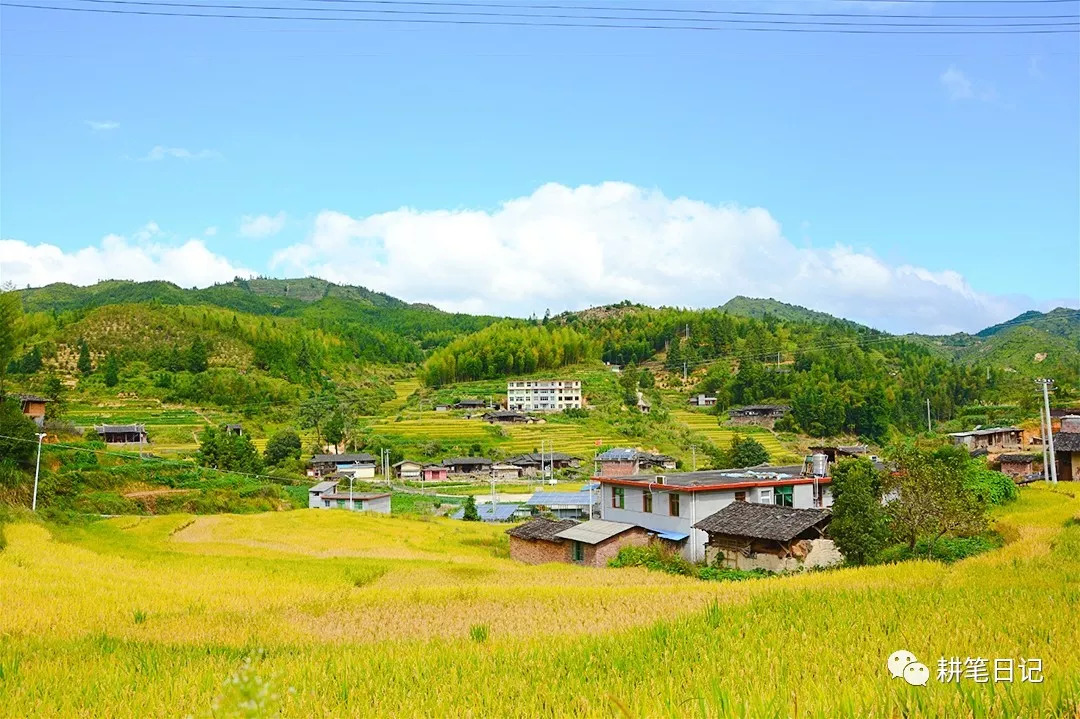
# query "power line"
(866, 29)
(744, 17)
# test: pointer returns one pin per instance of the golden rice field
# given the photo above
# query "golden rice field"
(330, 614)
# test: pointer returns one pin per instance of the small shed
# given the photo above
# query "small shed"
(643, 405)
(534, 542)
(509, 416)
(32, 406)
(748, 535)
(360, 465)
(407, 469)
(433, 473)
(992, 438)
(122, 433)
(357, 501)
(505, 471)
(316, 492)
(1017, 465)
(703, 400)
(762, 415)
(236, 429)
(596, 541)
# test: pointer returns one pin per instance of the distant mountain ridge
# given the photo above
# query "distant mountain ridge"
(759, 308)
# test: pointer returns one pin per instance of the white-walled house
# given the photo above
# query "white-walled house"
(670, 504)
(325, 495)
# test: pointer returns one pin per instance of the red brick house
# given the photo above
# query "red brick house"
(534, 542)
(1017, 465)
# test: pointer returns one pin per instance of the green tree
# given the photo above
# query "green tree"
(928, 496)
(315, 411)
(112, 370)
(334, 429)
(85, 366)
(18, 434)
(747, 452)
(859, 526)
(198, 356)
(54, 392)
(469, 513)
(282, 445)
(223, 450)
(10, 328)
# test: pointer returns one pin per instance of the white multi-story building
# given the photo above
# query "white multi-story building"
(545, 395)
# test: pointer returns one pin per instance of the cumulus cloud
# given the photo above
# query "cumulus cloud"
(102, 125)
(564, 247)
(142, 257)
(161, 152)
(261, 225)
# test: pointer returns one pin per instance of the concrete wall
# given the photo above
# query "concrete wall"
(538, 551)
(380, 505)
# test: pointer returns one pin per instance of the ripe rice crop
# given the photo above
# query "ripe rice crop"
(331, 614)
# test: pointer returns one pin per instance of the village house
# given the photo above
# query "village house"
(565, 505)
(992, 439)
(508, 416)
(534, 542)
(703, 400)
(746, 535)
(670, 504)
(360, 466)
(838, 452)
(643, 405)
(555, 460)
(470, 404)
(122, 433)
(467, 465)
(761, 415)
(442, 408)
(32, 406)
(1017, 465)
(325, 495)
(596, 541)
(622, 461)
(407, 470)
(500, 471)
(543, 395)
(235, 429)
(433, 473)
(1067, 449)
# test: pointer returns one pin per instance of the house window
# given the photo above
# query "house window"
(740, 496)
(646, 500)
(618, 497)
(784, 497)
(673, 505)
(579, 552)
(326, 502)
(765, 495)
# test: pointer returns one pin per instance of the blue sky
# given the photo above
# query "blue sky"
(915, 183)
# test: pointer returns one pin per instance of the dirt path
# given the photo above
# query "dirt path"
(157, 493)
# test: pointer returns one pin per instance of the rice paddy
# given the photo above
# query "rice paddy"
(328, 613)
(707, 425)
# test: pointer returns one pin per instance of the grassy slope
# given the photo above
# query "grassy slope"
(167, 610)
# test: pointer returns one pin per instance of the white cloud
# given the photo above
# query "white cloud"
(210, 231)
(102, 125)
(563, 247)
(958, 86)
(161, 152)
(188, 264)
(262, 225)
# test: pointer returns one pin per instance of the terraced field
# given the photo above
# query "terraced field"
(707, 425)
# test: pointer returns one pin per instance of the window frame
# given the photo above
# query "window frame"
(787, 492)
(647, 501)
(674, 504)
(577, 551)
(618, 497)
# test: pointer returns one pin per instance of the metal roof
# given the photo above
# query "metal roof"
(618, 454)
(323, 487)
(983, 432)
(489, 513)
(672, 536)
(574, 499)
(594, 531)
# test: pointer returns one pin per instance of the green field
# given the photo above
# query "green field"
(707, 425)
(312, 613)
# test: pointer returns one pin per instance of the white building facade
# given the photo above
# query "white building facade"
(671, 504)
(552, 395)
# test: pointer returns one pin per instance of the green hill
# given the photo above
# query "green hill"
(759, 308)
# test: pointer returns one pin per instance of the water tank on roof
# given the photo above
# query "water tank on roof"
(819, 465)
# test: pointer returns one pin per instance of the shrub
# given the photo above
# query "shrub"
(725, 574)
(947, 549)
(990, 486)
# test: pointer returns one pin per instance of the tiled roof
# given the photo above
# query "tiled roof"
(323, 487)
(118, 428)
(594, 531)
(363, 457)
(1067, 441)
(466, 460)
(762, 521)
(541, 528)
(1017, 458)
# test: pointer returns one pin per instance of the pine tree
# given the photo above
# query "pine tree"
(469, 513)
(112, 371)
(84, 364)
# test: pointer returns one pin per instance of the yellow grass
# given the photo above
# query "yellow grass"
(372, 616)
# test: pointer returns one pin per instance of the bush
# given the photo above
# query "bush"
(946, 549)
(657, 558)
(284, 445)
(990, 486)
(724, 574)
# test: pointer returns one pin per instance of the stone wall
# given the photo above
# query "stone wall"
(538, 551)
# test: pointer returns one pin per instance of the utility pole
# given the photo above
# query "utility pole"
(1049, 428)
(693, 455)
(777, 360)
(684, 372)
(352, 499)
(1043, 422)
(37, 471)
(687, 330)
(929, 428)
